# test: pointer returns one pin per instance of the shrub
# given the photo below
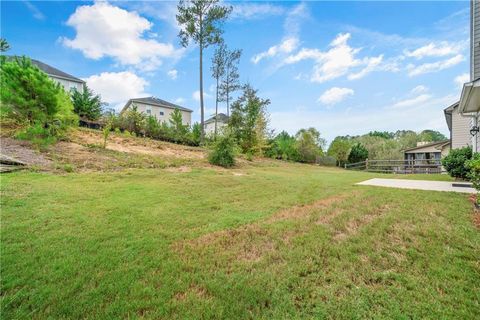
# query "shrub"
(473, 166)
(327, 161)
(456, 162)
(223, 151)
(283, 147)
(358, 153)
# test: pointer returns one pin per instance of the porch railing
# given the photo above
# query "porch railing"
(398, 166)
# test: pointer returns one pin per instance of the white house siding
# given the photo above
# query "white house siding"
(67, 84)
(156, 112)
(460, 130)
(210, 127)
(475, 40)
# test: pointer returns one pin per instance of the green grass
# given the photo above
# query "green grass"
(272, 242)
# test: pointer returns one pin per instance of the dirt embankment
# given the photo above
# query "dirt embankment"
(83, 151)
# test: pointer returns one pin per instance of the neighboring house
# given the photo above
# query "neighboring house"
(428, 151)
(67, 81)
(222, 121)
(158, 108)
(459, 127)
(462, 117)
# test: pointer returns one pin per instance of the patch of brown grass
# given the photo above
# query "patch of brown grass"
(303, 211)
(194, 290)
(353, 226)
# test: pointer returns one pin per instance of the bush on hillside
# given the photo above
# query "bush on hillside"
(223, 151)
(456, 162)
(33, 100)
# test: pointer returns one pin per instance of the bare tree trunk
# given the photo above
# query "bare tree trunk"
(202, 110)
(228, 101)
(216, 111)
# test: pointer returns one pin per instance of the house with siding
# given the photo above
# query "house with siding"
(222, 122)
(158, 108)
(462, 117)
(67, 81)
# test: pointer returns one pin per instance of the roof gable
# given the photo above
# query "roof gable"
(153, 101)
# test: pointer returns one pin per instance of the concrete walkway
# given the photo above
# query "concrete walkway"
(417, 185)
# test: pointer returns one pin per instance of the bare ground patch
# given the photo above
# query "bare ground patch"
(24, 151)
(121, 143)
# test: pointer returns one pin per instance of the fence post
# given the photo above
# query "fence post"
(366, 164)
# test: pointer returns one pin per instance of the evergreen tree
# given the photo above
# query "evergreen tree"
(86, 104)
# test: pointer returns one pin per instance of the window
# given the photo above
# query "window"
(161, 113)
(148, 110)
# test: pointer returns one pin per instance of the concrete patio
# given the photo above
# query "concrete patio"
(418, 185)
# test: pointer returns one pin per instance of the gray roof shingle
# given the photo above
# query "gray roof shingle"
(156, 102)
(48, 69)
(221, 117)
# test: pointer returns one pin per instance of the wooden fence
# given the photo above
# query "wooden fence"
(426, 166)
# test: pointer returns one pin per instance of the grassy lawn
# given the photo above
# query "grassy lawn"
(271, 242)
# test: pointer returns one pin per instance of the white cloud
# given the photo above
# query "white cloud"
(103, 30)
(179, 101)
(441, 49)
(196, 95)
(461, 79)
(411, 102)
(173, 74)
(434, 66)
(250, 11)
(117, 87)
(419, 89)
(290, 40)
(37, 14)
(335, 95)
(286, 46)
(338, 60)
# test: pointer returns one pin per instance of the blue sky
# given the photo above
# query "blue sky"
(341, 67)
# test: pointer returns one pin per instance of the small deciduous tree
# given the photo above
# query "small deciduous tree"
(339, 149)
(200, 22)
(249, 121)
(86, 104)
(309, 145)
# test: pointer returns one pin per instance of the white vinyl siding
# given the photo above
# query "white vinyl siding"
(68, 85)
(460, 130)
(475, 40)
(161, 113)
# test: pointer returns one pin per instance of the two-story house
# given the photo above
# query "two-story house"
(158, 108)
(462, 117)
(67, 81)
